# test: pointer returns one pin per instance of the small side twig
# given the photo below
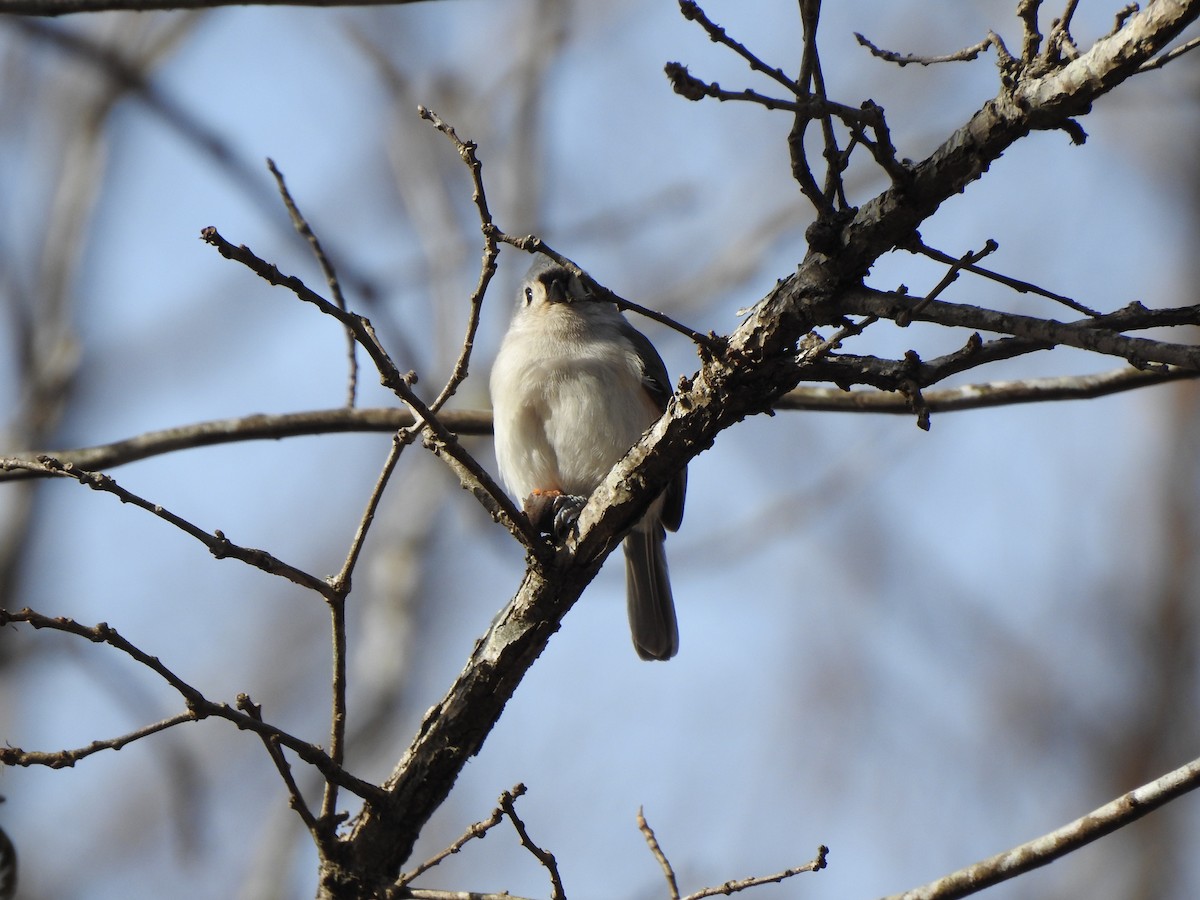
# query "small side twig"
(66, 759)
(217, 543)
(657, 852)
(951, 276)
(246, 428)
(728, 887)
(491, 252)
(545, 857)
(335, 288)
(533, 244)
(296, 799)
(440, 440)
(476, 831)
(966, 54)
(816, 864)
(1174, 53)
(198, 706)
(717, 35)
(341, 584)
(981, 395)
(1021, 287)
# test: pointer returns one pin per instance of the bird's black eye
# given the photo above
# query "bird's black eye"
(528, 295)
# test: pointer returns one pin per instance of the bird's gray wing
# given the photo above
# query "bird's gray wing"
(658, 385)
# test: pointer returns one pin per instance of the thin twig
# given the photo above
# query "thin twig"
(474, 832)
(810, 13)
(440, 440)
(1159, 61)
(337, 609)
(688, 85)
(982, 395)
(817, 863)
(835, 164)
(1022, 287)
(533, 244)
(479, 421)
(248, 428)
(1099, 335)
(466, 150)
(903, 59)
(545, 857)
(717, 35)
(217, 543)
(331, 279)
(657, 852)
(951, 276)
(338, 711)
(254, 711)
(1099, 822)
(65, 7)
(66, 759)
(199, 706)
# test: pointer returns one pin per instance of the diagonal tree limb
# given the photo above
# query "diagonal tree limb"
(761, 365)
(1043, 850)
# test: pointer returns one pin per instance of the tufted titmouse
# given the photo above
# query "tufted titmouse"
(573, 388)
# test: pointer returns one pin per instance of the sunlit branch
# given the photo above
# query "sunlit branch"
(1070, 837)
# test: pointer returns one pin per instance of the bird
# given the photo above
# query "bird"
(574, 386)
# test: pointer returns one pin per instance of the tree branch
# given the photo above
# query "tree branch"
(1049, 847)
(249, 428)
(217, 543)
(438, 439)
(1099, 335)
(66, 7)
(199, 707)
(66, 759)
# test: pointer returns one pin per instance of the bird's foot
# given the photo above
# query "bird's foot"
(553, 512)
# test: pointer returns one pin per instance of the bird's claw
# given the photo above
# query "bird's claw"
(553, 512)
(567, 508)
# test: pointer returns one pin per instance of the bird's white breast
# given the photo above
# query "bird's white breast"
(567, 406)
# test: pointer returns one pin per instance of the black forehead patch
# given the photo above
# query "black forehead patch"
(556, 275)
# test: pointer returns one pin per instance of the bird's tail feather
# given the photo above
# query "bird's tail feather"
(648, 587)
